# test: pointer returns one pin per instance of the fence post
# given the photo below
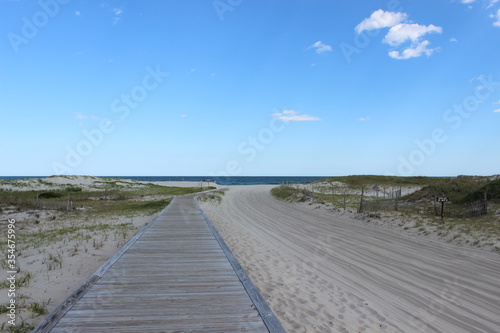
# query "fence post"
(361, 200)
(344, 199)
(485, 204)
(333, 197)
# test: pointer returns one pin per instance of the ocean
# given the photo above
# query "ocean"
(251, 180)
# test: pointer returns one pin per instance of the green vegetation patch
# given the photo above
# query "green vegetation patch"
(492, 191)
(366, 180)
(291, 194)
(215, 196)
(112, 198)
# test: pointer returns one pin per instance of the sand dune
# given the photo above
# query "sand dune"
(326, 272)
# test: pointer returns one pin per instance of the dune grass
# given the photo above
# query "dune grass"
(108, 197)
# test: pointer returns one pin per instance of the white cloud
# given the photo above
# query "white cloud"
(453, 40)
(497, 17)
(362, 119)
(414, 51)
(183, 115)
(117, 12)
(403, 32)
(496, 111)
(78, 13)
(492, 3)
(481, 77)
(320, 47)
(496, 102)
(292, 115)
(380, 19)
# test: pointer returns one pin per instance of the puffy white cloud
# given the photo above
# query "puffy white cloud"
(403, 32)
(380, 19)
(414, 51)
(320, 47)
(292, 115)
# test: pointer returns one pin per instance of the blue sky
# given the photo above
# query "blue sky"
(241, 88)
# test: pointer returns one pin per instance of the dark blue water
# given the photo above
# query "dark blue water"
(219, 180)
(234, 180)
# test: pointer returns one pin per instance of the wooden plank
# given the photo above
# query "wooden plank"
(174, 276)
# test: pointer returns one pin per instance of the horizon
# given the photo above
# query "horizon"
(280, 176)
(238, 88)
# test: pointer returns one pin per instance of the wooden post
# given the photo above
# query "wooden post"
(344, 199)
(485, 203)
(435, 200)
(361, 200)
(333, 197)
(442, 200)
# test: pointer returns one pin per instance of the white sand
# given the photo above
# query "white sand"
(183, 184)
(322, 271)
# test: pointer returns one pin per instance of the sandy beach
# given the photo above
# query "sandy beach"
(324, 271)
(320, 270)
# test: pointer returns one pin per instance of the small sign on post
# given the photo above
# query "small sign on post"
(442, 200)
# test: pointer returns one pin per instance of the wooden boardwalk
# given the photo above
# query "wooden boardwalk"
(176, 275)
